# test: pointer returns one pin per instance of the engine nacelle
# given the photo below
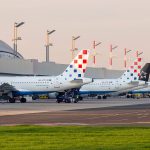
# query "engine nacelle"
(53, 95)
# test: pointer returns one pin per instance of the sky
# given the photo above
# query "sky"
(125, 23)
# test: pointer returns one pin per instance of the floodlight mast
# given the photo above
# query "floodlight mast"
(111, 55)
(94, 47)
(125, 57)
(48, 44)
(16, 38)
(73, 45)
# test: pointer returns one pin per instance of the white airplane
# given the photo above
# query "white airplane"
(145, 75)
(129, 80)
(72, 77)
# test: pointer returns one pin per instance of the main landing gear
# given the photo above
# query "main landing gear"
(102, 97)
(23, 100)
(70, 96)
(14, 99)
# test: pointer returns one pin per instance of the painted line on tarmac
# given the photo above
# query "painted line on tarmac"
(143, 117)
(144, 122)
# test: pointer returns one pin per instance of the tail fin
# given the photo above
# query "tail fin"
(145, 71)
(77, 68)
(133, 72)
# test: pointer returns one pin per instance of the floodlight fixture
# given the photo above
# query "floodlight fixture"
(50, 32)
(98, 43)
(115, 47)
(140, 53)
(75, 38)
(129, 51)
(19, 24)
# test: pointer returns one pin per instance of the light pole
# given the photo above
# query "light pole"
(48, 44)
(73, 45)
(125, 57)
(16, 38)
(94, 47)
(111, 55)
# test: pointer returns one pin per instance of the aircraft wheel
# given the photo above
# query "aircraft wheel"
(23, 100)
(58, 101)
(67, 101)
(12, 100)
(80, 98)
(128, 96)
(99, 97)
(35, 97)
(75, 101)
(104, 97)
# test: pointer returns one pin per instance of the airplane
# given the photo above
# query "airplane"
(12, 88)
(131, 79)
(145, 90)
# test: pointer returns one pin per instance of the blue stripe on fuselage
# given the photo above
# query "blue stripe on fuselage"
(21, 93)
(96, 92)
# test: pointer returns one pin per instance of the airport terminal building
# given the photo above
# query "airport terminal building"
(12, 63)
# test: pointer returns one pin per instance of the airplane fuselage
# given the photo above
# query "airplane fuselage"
(36, 85)
(106, 86)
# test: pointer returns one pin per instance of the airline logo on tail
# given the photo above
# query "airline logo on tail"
(143, 75)
(145, 71)
(133, 72)
(77, 68)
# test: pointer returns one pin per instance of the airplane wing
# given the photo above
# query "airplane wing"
(6, 88)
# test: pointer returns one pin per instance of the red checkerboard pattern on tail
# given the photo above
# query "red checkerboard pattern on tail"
(81, 61)
(133, 72)
(77, 68)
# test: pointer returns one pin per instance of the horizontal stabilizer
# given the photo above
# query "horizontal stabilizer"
(82, 81)
(77, 81)
(134, 83)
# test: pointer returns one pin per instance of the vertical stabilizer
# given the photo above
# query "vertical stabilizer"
(145, 71)
(77, 68)
(133, 72)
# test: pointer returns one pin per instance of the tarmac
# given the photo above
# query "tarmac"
(110, 112)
